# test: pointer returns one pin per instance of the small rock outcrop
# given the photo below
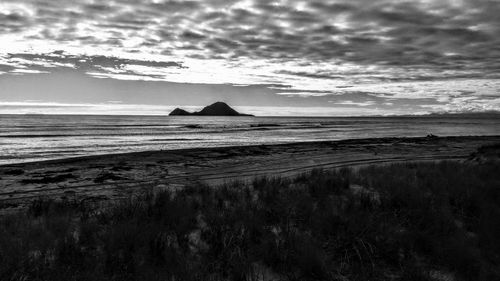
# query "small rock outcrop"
(179, 112)
(215, 109)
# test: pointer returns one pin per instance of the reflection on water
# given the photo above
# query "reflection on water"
(37, 137)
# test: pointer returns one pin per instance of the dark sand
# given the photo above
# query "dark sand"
(108, 177)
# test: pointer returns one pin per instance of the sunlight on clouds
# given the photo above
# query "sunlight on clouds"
(13, 9)
(467, 105)
(443, 52)
(303, 94)
(20, 71)
(348, 102)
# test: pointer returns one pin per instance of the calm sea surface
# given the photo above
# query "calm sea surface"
(38, 137)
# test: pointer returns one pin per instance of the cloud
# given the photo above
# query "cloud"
(14, 17)
(393, 48)
(348, 102)
(44, 62)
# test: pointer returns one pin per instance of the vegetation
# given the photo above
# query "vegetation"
(399, 222)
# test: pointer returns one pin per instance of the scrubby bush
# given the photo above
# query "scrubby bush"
(403, 222)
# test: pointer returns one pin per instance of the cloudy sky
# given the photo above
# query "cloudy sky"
(268, 57)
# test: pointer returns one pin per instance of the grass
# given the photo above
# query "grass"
(403, 222)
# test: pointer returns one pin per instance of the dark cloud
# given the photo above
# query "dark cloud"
(331, 8)
(85, 63)
(190, 35)
(13, 22)
(6, 68)
(173, 6)
(414, 35)
(98, 8)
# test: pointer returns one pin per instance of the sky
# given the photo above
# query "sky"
(266, 57)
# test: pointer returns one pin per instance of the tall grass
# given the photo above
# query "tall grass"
(409, 221)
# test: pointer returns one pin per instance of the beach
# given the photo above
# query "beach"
(104, 178)
(28, 138)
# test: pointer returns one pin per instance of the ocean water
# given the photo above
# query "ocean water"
(26, 138)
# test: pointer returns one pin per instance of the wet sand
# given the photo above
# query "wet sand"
(110, 177)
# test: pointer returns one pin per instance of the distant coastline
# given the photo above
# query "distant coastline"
(485, 114)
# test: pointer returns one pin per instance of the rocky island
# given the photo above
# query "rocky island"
(215, 109)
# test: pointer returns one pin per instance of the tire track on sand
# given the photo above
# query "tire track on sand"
(217, 176)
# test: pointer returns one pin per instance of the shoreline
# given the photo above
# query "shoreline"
(117, 176)
(70, 160)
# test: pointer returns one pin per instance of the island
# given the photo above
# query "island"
(215, 109)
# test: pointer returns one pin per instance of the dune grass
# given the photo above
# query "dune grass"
(395, 222)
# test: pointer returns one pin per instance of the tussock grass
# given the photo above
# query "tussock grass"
(408, 222)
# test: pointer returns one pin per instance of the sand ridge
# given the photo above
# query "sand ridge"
(110, 177)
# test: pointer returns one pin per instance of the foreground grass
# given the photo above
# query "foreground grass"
(397, 222)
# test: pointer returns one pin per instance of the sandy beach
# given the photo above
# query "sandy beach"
(110, 177)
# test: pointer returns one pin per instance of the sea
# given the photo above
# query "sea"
(26, 138)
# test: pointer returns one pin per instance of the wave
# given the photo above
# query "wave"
(39, 136)
(56, 137)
